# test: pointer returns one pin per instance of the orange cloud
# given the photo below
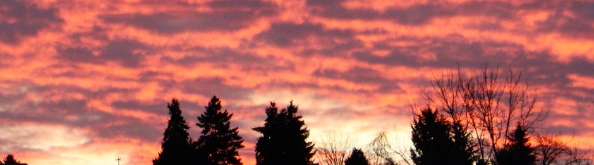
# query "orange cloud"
(103, 71)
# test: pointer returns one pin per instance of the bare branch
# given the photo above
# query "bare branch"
(334, 149)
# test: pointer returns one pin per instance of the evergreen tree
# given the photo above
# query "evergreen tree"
(10, 160)
(176, 148)
(357, 158)
(218, 142)
(518, 151)
(437, 141)
(462, 151)
(283, 139)
(267, 150)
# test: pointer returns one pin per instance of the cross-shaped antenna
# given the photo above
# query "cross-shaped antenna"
(118, 159)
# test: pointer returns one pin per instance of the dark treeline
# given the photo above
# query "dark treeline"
(218, 142)
(10, 160)
(469, 119)
(283, 139)
(486, 118)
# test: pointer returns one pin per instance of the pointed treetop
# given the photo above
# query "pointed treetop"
(215, 103)
(176, 139)
(218, 142)
(174, 107)
(10, 160)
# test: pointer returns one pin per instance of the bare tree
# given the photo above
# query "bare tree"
(487, 105)
(334, 149)
(549, 150)
(382, 152)
(578, 157)
(552, 151)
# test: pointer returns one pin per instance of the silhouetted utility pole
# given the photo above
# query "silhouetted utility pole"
(118, 159)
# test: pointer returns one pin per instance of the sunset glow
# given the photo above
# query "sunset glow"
(86, 81)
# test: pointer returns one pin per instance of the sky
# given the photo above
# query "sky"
(85, 82)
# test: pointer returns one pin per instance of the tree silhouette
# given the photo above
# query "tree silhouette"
(283, 139)
(357, 158)
(267, 149)
(462, 151)
(333, 149)
(218, 141)
(382, 152)
(435, 143)
(518, 151)
(175, 148)
(486, 104)
(10, 160)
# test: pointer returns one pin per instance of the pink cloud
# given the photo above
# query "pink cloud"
(103, 71)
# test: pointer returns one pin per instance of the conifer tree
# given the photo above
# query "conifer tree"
(283, 139)
(10, 160)
(357, 158)
(436, 142)
(518, 151)
(462, 151)
(175, 148)
(267, 150)
(218, 141)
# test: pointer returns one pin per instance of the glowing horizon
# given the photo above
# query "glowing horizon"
(83, 82)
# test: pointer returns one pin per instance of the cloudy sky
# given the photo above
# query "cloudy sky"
(83, 82)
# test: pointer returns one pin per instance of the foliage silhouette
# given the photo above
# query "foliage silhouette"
(283, 139)
(218, 141)
(357, 158)
(10, 160)
(518, 151)
(435, 142)
(462, 151)
(175, 148)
